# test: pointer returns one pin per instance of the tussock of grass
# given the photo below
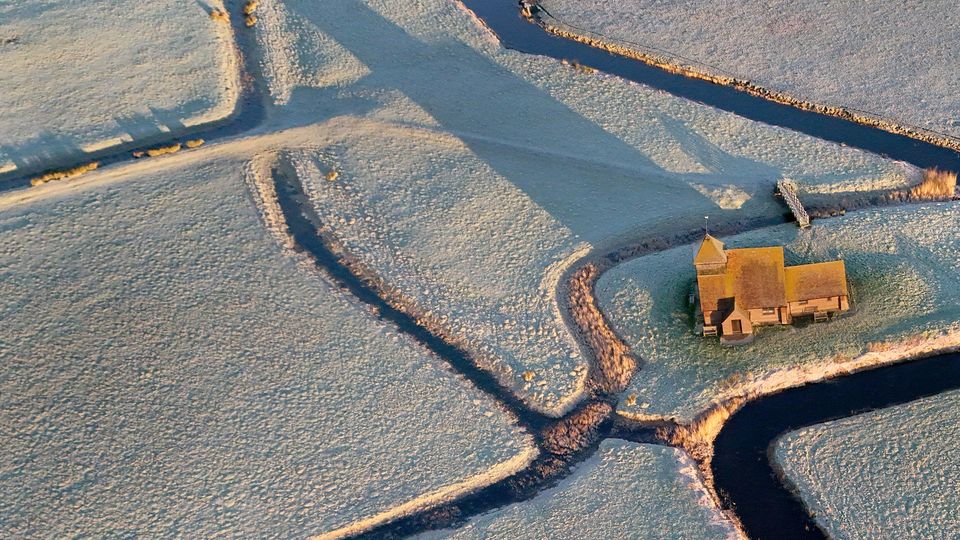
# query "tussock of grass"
(333, 175)
(250, 7)
(578, 66)
(219, 15)
(162, 150)
(937, 185)
(250, 20)
(193, 143)
(66, 173)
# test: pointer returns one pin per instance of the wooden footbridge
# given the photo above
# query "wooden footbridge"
(788, 190)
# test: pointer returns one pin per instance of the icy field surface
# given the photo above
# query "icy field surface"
(884, 474)
(81, 76)
(489, 172)
(625, 490)
(897, 60)
(170, 370)
(902, 267)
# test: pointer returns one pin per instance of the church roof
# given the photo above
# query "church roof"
(754, 277)
(818, 280)
(757, 275)
(710, 252)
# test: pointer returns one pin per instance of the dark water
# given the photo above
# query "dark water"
(502, 16)
(741, 469)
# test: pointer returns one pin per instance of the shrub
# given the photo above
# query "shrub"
(66, 173)
(936, 184)
(333, 175)
(161, 150)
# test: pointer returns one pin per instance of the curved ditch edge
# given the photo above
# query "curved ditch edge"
(248, 113)
(309, 236)
(747, 476)
(562, 443)
(693, 69)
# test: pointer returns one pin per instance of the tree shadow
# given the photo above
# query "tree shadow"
(586, 182)
(50, 149)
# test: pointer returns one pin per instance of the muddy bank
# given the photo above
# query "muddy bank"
(611, 357)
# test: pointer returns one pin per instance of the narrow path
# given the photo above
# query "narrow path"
(566, 441)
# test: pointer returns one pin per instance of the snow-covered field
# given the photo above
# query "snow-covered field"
(625, 490)
(168, 369)
(81, 76)
(902, 266)
(899, 61)
(499, 169)
(884, 474)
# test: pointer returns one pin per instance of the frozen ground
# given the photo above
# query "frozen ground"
(625, 490)
(495, 170)
(893, 59)
(170, 370)
(884, 474)
(902, 268)
(80, 76)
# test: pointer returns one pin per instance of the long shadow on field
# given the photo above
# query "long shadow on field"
(522, 132)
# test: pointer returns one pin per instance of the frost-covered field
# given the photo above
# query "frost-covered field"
(884, 474)
(625, 490)
(168, 369)
(81, 76)
(897, 60)
(902, 266)
(498, 169)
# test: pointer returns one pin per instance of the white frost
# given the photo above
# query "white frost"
(885, 474)
(170, 370)
(896, 60)
(625, 490)
(82, 76)
(490, 169)
(902, 266)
